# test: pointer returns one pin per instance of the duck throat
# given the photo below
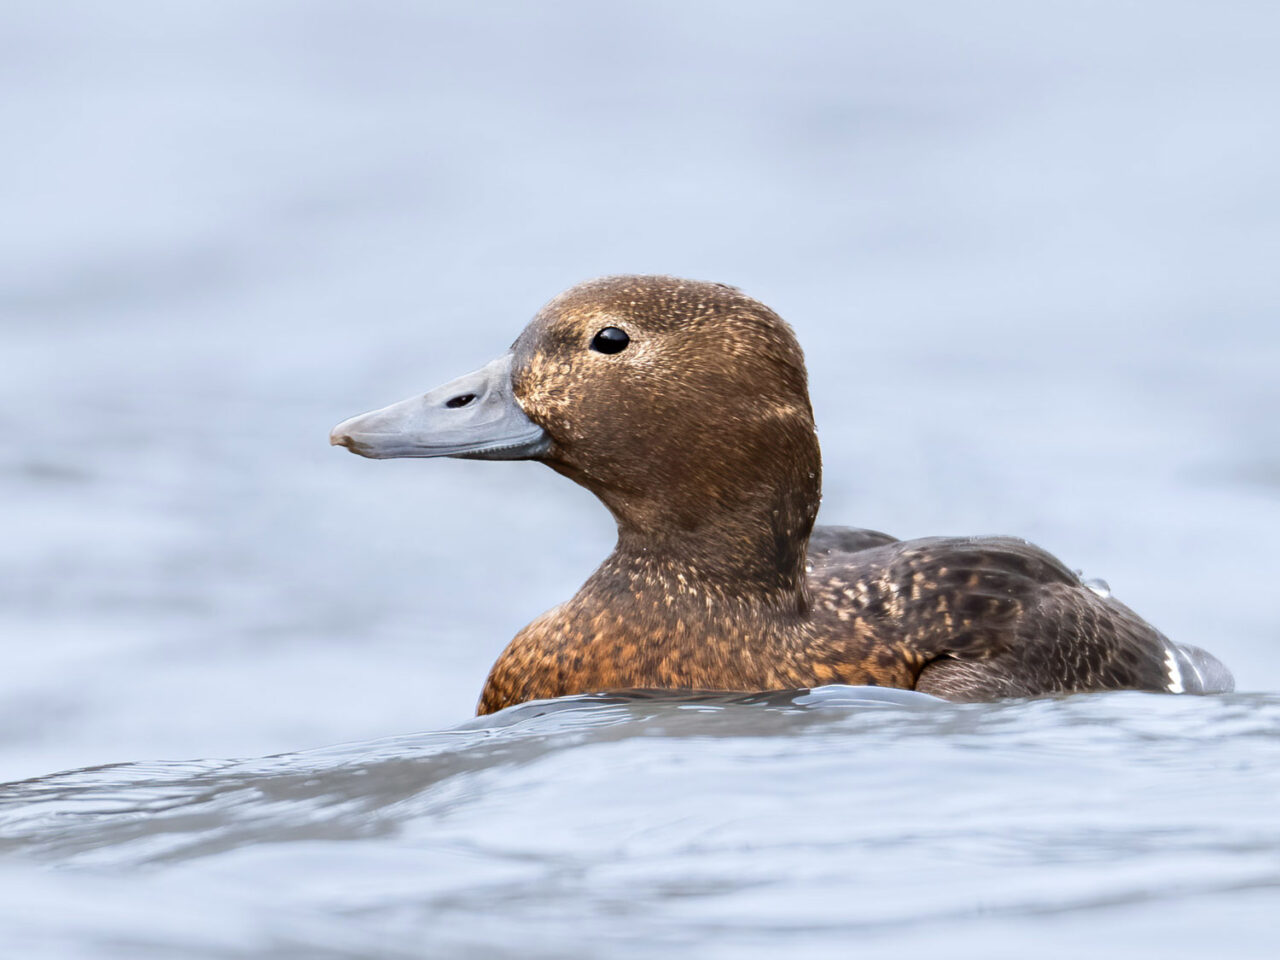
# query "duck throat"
(745, 543)
(725, 499)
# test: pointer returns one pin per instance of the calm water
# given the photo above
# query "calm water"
(1031, 253)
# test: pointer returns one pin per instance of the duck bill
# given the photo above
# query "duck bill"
(475, 416)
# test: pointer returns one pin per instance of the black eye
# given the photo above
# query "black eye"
(610, 340)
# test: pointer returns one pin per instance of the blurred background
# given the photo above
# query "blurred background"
(1030, 250)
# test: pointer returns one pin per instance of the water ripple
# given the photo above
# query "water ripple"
(642, 820)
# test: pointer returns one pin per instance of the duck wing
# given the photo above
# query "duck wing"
(827, 541)
(990, 617)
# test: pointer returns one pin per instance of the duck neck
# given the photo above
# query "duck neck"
(697, 508)
(752, 552)
(704, 579)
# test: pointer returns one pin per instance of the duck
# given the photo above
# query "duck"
(683, 406)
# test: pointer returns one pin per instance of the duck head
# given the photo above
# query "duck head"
(682, 405)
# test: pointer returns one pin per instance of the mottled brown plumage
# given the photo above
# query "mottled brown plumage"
(699, 438)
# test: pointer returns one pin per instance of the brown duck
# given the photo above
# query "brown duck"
(684, 407)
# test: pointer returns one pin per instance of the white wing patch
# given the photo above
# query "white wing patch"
(1175, 672)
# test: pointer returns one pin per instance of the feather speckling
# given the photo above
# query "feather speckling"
(700, 440)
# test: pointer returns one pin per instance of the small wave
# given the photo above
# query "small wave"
(626, 821)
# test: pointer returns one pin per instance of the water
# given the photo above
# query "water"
(1098, 586)
(1030, 253)
(607, 827)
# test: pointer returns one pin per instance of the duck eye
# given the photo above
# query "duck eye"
(610, 340)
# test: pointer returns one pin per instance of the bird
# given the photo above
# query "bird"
(683, 406)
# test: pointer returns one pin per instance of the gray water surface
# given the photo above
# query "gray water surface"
(612, 827)
(1030, 250)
